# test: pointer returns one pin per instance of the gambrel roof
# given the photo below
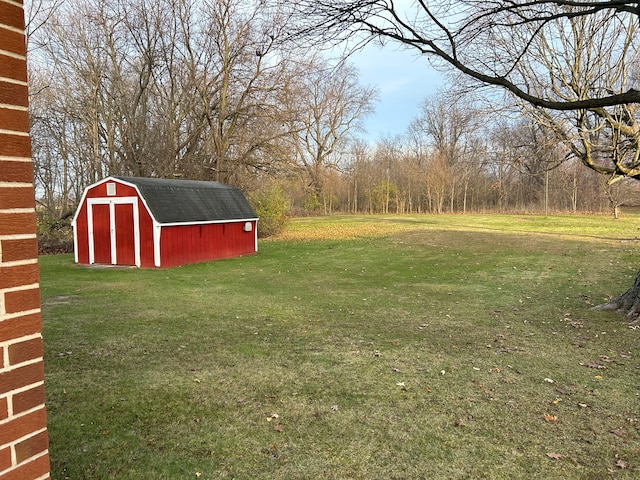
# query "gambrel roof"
(191, 201)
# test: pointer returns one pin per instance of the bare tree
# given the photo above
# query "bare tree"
(581, 56)
(241, 86)
(452, 128)
(325, 108)
(167, 88)
(358, 159)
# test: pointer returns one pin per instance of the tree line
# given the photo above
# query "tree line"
(225, 90)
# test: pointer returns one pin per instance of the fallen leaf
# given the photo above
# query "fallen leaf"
(334, 408)
(555, 456)
(622, 464)
(278, 428)
(550, 418)
(548, 380)
(618, 432)
(460, 422)
(198, 474)
(272, 451)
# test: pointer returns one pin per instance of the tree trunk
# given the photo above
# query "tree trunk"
(628, 303)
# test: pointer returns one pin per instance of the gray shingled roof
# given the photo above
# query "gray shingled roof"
(186, 201)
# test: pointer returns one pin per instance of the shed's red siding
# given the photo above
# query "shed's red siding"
(179, 244)
(101, 234)
(81, 231)
(125, 235)
(183, 244)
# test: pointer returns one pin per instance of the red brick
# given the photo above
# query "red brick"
(4, 409)
(14, 94)
(22, 300)
(13, 42)
(15, 250)
(23, 426)
(15, 145)
(17, 378)
(18, 275)
(18, 223)
(16, 172)
(15, 120)
(28, 399)
(31, 447)
(1, 358)
(14, 328)
(16, 197)
(24, 351)
(13, 68)
(35, 469)
(5, 458)
(12, 15)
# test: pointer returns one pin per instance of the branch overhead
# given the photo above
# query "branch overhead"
(488, 41)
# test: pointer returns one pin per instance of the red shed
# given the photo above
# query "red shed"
(152, 222)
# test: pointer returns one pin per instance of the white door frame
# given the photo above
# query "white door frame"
(112, 202)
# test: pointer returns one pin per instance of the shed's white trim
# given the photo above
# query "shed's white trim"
(210, 222)
(75, 242)
(157, 235)
(255, 238)
(112, 202)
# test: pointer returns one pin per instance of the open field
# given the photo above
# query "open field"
(383, 347)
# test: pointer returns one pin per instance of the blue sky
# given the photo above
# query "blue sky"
(403, 79)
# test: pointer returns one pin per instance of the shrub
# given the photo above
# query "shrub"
(54, 234)
(272, 207)
(311, 203)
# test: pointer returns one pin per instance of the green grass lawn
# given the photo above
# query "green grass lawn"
(383, 347)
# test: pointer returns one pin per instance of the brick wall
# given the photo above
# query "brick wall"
(24, 451)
